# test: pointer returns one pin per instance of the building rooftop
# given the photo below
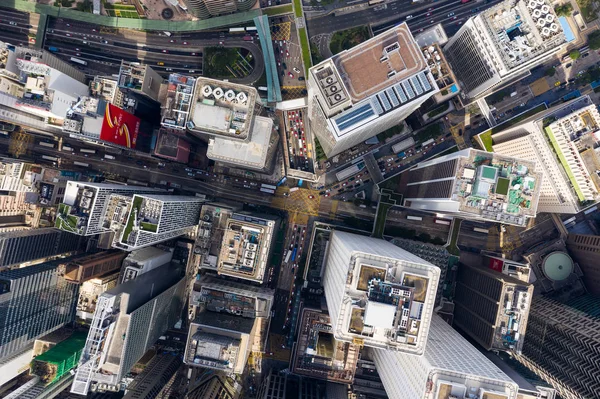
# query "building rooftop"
(379, 63)
(487, 185)
(523, 29)
(178, 103)
(245, 247)
(456, 390)
(222, 109)
(318, 354)
(252, 153)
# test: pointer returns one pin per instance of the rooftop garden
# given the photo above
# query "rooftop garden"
(135, 210)
(66, 221)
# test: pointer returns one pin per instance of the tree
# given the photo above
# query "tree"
(575, 54)
(594, 40)
(564, 10)
(550, 72)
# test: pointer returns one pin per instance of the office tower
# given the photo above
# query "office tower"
(554, 139)
(585, 249)
(476, 185)
(128, 320)
(86, 267)
(235, 244)
(502, 43)
(273, 386)
(142, 261)
(16, 175)
(562, 345)
(317, 354)
(226, 115)
(140, 79)
(178, 104)
(491, 307)
(150, 382)
(154, 218)
(85, 205)
(363, 91)
(204, 9)
(89, 292)
(34, 301)
(23, 246)
(212, 384)
(449, 366)
(377, 294)
(233, 323)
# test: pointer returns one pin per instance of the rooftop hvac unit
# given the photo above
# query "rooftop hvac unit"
(229, 95)
(545, 9)
(545, 31)
(207, 91)
(536, 13)
(532, 4)
(541, 22)
(337, 97)
(242, 97)
(329, 80)
(333, 89)
(218, 93)
(549, 18)
(554, 27)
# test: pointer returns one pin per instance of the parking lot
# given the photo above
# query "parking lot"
(299, 143)
(288, 56)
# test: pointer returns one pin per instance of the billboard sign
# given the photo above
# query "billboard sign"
(119, 127)
(496, 264)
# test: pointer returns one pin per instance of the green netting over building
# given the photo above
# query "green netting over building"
(56, 362)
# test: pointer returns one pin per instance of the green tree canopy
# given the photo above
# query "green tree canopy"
(575, 54)
(594, 40)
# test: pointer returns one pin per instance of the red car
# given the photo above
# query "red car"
(291, 75)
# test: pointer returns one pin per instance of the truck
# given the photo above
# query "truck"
(402, 154)
(248, 38)
(78, 61)
(53, 49)
(410, 217)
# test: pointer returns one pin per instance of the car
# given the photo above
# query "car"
(291, 75)
(430, 9)
(432, 21)
(409, 16)
(94, 30)
(287, 53)
(68, 34)
(284, 65)
(192, 71)
(193, 53)
(168, 69)
(12, 23)
(165, 51)
(311, 197)
(428, 14)
(172, 41)
(327, 195)
(568, 65)
(301, 78)
(191, 174)
(585, 55)
(522, 105)
(105, 41)
(451, 14)
(453, 18)
(186, 43)
(344, 184)
(296, 70)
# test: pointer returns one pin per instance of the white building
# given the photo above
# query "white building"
(552, 139)
(363, 91)
(476, 185)
(154, 218)
(128, 320)
(450, 368)
(84, 205)
(142, 261)
(19, 176)
(503, 42)
(378, 294)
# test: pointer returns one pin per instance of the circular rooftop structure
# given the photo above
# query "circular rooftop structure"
(558, 266)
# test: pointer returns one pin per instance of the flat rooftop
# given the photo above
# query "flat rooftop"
(319, 355)
(456, 390)
(523, 29)
(245, 247)
(177, 104)
(222, 109)
(380, 62)
(252, 153)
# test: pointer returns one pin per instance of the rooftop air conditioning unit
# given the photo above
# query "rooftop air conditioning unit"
(329, 80)
(337, 97)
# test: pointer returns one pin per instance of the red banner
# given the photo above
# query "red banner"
(496, 264)
(119, 127)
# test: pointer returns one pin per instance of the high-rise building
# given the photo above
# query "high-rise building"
(378, 294)
(128, 320)
(150, 382)
(450, 367)
(23, 246)
(211, 8)
(142, 261)
(140, 78)
(273, 386)
(502, 43)
(34, 301)
(562, 345)
(585, 249)
(16, 175)
(361, 92)
(556, 140)
(211, 384)
(154, 218)
(86, 204)
(226, 115)
(475, 184)
(491, 307)
(83, 268)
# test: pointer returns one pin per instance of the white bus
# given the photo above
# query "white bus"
(288, 256)
(85, 165)
(267, 190)
(442, 221)
(236, 30)
(49, 158)
(88, 151)
(479, 230)
(427, 142)
(410, 217)
(403, 145)
(269, 186)
(46, 144)
(67, 148)
(78, 61)
(108, 156)
(251, 29)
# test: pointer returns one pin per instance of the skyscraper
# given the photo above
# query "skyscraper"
(211, 8)
(553, 139)
(23, 246)
(562, 346)
(34, 301)
(585, 249)
(85, 204)
(450, 367)
(363, 91)
(156, 375)
(378, 294)
(491, 307)
(475, 184)
(129, 319)
(502, 43)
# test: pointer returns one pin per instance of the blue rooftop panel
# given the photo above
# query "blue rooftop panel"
(424, 81)
(392, 96)
(377, 106)
(384, 101)
(408, 89)
(355, 116)
(417, 85)
(400, 92)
